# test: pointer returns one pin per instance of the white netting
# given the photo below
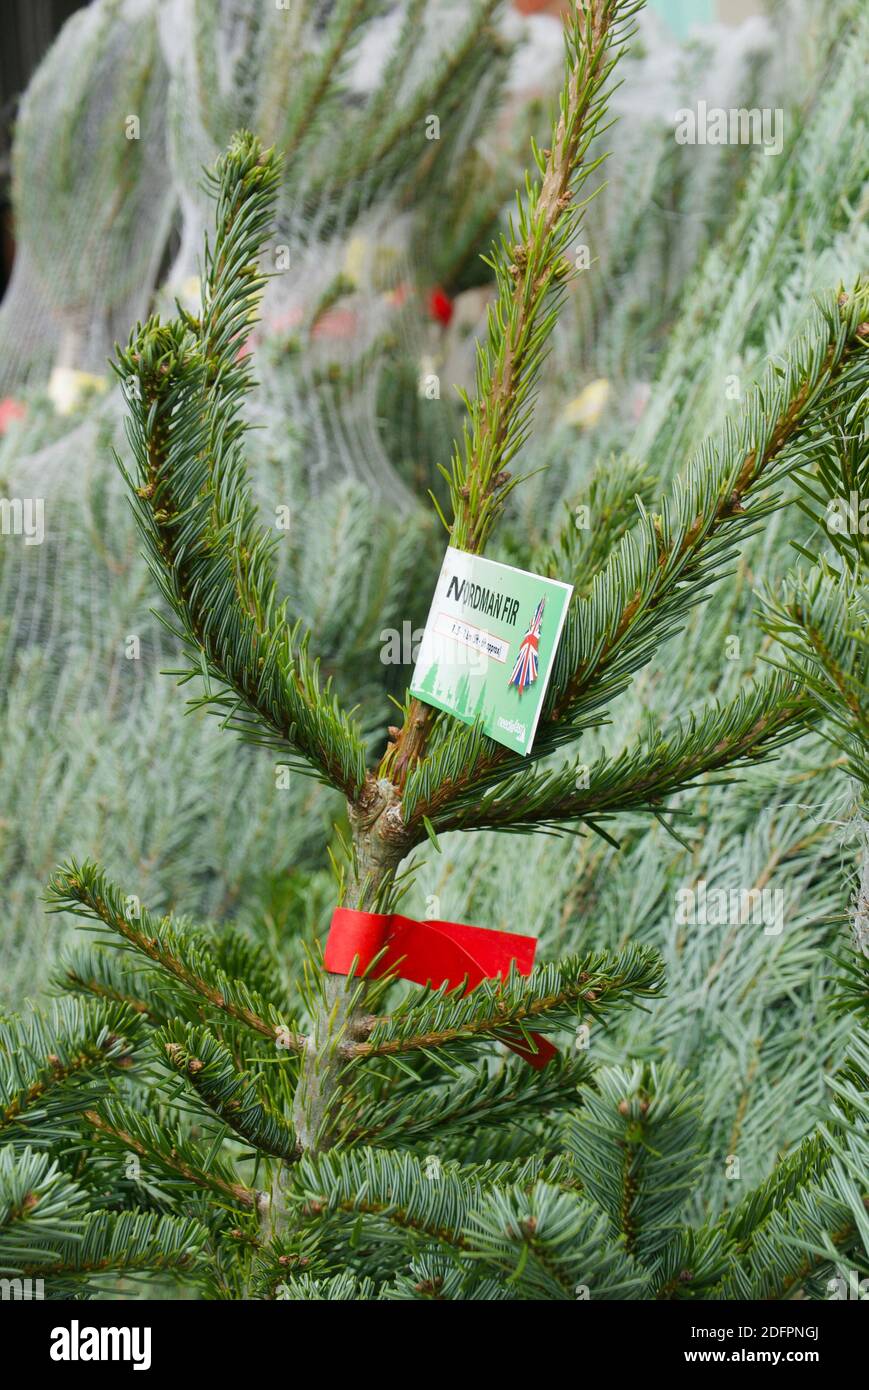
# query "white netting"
(92, 203)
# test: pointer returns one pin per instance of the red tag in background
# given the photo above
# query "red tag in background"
(433, 953)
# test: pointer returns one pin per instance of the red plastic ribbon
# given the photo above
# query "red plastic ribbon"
(432, 953)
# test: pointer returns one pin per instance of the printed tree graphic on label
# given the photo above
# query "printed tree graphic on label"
(463, 691)
(480, 711)
(429, 684)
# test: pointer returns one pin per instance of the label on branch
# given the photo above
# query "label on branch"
(489, 645)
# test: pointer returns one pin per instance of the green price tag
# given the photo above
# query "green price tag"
(489, 645)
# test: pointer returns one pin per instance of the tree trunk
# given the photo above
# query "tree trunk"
(380, 843)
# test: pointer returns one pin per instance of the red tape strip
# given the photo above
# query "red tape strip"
(433, 953)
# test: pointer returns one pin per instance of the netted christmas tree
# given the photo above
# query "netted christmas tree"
(262, 1127)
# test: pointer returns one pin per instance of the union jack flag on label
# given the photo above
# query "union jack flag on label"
(528, 660)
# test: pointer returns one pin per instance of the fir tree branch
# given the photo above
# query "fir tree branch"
(126, 1243)
(530, 274)
(550, 1245)
(636, 1145)
(610, 499)
(710, 511)
(821, 620)
(39, 1204)
(374, 158)
(389, 1188)
(233, 1096)
(835, 493)
(433, 1278)
(343, 27)
(837, 1235)
(691, 1265)
(138, 1134)
(719, 738)
(766, 1231)
(46, 1230)
(549, 998)
(213, 562)
(480, 1100)
(95, 974)
(340, 1288)
(53, 1065)
(85, 890)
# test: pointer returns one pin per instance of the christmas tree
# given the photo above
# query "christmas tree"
(259, 1126)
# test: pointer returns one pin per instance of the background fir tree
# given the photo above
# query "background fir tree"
(362, 1185)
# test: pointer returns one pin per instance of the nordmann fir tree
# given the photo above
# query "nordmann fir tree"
(340, 1107)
